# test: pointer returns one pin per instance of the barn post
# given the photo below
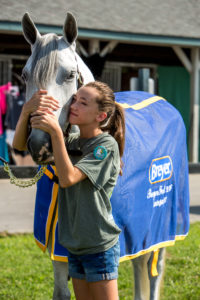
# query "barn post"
(143, 79)
(193, 68)
(94, 46)
(194, 107)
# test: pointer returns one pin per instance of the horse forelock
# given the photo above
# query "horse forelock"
(44, 60)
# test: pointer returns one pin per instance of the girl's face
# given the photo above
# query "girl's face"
(84, 108)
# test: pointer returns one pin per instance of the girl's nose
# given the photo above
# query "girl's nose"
(72, 104)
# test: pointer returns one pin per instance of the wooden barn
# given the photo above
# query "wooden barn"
(120, 40)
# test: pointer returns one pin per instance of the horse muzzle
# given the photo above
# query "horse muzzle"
(40, 147)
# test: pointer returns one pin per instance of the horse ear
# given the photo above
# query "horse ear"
(70, 29)
(30, 32)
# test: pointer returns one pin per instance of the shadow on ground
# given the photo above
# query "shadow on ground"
(195, 210)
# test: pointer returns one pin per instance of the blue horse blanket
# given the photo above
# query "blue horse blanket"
(150, 202)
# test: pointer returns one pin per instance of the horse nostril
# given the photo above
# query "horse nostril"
(39, 149)
(29, 146)
(39, 146)
(33, 151)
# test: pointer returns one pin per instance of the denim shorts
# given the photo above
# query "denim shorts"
(95, 267)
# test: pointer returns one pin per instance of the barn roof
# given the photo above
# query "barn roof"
(169, 19)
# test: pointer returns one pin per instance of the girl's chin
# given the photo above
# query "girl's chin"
(72, 121)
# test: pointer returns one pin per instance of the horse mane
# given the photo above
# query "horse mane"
(44, 60)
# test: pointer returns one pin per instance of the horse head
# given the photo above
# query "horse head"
(54, 66)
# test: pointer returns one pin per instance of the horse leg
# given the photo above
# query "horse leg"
(60, 269)
(141, 278)
(61, 290)
(155, 281)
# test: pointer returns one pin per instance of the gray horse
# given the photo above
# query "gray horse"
(55, 66)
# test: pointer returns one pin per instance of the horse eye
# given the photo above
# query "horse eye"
(72, 75)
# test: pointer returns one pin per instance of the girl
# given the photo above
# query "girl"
(86, 181)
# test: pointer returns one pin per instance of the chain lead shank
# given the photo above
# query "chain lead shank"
(24, 183)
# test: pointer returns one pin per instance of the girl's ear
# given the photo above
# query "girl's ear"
(101, 116)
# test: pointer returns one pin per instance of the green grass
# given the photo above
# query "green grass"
(26, 273)
(182, 275)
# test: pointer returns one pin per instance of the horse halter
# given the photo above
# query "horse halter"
(80, 76)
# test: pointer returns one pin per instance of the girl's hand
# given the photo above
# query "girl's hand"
(46, 121)
(40, 101)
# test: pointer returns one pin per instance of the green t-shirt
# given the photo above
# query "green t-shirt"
(85, 221)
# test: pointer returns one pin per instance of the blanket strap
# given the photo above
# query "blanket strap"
(154, 271)
(52, 176)
(143, 103)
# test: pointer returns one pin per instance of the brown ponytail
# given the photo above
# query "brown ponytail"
(114, 124)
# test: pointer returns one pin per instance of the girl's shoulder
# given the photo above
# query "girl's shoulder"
(107, 139)
(108, 142)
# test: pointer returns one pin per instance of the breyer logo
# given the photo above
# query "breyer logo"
(161, 169)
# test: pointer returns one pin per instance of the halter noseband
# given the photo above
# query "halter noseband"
(80, 76)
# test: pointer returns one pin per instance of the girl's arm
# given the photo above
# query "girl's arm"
(21, 131)
(39, 100)
(68, 174)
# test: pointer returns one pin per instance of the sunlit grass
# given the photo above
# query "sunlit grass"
(26, 272)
